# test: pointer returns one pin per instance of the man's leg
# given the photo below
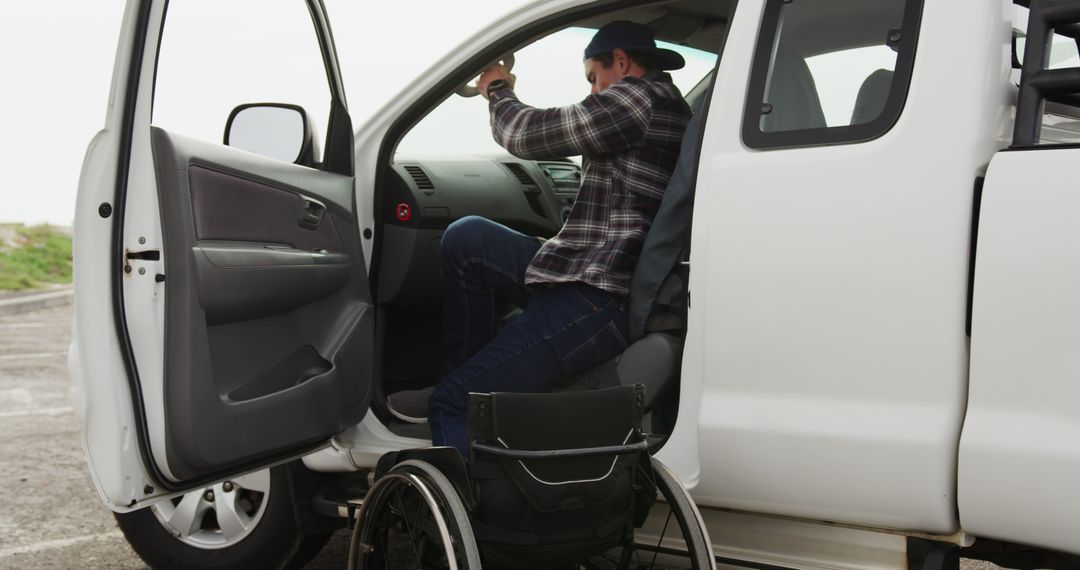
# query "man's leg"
(564, 330)
(482, 263)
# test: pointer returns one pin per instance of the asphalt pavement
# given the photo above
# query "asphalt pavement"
(52, 516)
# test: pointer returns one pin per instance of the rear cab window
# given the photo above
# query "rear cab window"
(829, 71)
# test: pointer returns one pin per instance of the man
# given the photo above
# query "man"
(572, 287)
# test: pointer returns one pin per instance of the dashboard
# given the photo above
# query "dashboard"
(565, 179)
(422, 195)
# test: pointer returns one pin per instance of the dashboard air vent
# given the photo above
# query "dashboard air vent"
(519, 172)
(419, 177)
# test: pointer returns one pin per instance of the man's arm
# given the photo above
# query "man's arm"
(613, 120)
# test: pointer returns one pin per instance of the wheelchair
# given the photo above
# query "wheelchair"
(554, 480)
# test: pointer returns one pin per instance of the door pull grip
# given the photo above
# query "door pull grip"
(311, 214)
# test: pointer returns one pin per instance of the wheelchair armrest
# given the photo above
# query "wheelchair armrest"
(627, 449)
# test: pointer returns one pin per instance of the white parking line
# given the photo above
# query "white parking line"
(41, 412)
(5, 325)
(54, 544)
(31, 355)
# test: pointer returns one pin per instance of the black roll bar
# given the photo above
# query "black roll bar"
(1037, 83)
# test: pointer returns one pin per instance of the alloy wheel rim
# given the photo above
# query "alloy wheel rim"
(218, 516)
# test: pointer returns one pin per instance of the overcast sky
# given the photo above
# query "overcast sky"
(56, 62)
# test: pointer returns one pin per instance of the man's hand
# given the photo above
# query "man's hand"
(497, 71)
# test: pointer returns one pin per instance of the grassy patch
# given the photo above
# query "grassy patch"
(33, 257)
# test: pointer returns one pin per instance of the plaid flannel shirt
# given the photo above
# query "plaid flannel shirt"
(629, 135)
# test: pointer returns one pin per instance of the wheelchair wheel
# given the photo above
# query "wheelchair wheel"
(698, 545)
(413, 519)
(695, 548)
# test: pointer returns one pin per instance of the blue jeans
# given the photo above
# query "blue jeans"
(564, 329)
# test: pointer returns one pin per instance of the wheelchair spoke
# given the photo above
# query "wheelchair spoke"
(660, 541)
(417, 504)
(409, 529)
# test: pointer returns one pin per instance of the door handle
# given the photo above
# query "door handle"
(311, 214)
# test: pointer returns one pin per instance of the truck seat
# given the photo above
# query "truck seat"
(657, 301)
(793, 95)
(872, 97)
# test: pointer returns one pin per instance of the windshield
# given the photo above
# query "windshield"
(549, 73)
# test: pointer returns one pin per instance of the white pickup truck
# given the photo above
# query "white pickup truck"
(879, 357)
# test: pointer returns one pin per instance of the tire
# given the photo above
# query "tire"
(699, 547)
(699, 553)
(412, 518)
(248, 522)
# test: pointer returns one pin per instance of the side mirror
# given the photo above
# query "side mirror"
(275, 130)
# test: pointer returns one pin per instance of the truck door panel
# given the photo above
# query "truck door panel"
(830, 271)
(243, 329)
(269, 332)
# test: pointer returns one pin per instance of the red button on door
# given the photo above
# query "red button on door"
(404, 212)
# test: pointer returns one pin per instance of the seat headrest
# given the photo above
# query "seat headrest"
(793, 94)
(872, 97)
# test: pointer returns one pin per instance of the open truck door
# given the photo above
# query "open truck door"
(234, 284)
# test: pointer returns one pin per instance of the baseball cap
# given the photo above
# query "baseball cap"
(631, 36)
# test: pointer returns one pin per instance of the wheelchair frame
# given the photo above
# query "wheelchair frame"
(435, 485)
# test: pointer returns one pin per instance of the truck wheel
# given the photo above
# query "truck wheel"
(246, 522)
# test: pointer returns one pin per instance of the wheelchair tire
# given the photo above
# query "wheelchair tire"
(698, 545)
(637, 554)
(412, 518)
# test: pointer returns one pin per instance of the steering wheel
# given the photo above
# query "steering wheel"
(467, 90)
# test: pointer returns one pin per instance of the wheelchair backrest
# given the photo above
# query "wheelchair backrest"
(561, 449)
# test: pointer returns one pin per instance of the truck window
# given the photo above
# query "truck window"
(829, 71)
(549, 74)
(217, 55)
